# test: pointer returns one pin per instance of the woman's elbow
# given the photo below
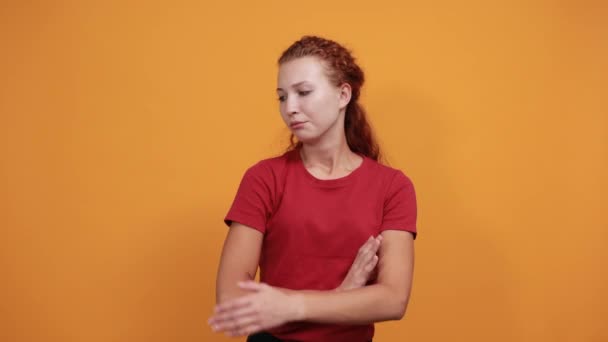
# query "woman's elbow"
(395, 302)
(399, 309)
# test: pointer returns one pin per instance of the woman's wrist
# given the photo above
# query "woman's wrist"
(299, 305)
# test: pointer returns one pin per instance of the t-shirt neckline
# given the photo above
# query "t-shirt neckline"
(330, 183)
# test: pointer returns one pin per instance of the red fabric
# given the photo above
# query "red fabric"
(313, 228)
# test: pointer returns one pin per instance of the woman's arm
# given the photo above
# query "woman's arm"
(238, 262)
(386, 300)
(240, 258)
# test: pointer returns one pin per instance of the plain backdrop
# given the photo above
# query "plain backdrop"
(125, 128)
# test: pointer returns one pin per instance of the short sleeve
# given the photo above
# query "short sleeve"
(253, 201)
(400, 210)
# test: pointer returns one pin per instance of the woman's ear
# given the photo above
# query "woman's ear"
(344, 95)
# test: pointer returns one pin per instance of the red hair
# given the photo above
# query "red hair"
(342, 68)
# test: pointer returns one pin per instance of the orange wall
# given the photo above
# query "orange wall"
(125, 129)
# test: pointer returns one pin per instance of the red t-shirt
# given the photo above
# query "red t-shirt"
(313, 228)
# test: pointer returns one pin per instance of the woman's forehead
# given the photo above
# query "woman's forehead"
(301, 71)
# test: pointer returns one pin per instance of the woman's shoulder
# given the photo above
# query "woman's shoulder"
(274, 161)
(391, 178)
(382, 170)
(271, 166)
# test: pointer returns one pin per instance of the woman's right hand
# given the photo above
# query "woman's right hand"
(364, 266)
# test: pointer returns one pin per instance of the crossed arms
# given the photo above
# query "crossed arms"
(245, 307)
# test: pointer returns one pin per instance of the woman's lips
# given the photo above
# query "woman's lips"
(297, 124)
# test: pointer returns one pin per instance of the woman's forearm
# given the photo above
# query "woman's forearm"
(373, 303)
(227, 289)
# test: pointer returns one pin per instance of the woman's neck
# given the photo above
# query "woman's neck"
(330, 159)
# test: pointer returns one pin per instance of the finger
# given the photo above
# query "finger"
(364, 246)
(359, 269)
(231, 324)
(249, 329)
(230, 315)
(366, 261)
(234, 324)
(370, 266)
(365, 257)
(376, 245)
(379, 239)
(371, 250)
(243, 323)
(364, 249)
(376, 242)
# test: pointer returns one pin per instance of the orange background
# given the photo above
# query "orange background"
(126, 127)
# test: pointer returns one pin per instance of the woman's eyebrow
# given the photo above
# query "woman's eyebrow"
(293, 85)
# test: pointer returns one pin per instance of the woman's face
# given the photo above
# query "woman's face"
(309, 103)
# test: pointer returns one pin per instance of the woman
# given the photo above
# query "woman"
(308, 217)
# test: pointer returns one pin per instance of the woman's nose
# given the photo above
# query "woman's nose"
(291, 107)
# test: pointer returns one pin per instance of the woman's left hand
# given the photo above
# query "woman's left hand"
(265, 308)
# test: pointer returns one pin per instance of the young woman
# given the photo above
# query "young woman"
(314, 217)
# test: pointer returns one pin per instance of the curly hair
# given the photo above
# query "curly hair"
(341, 68)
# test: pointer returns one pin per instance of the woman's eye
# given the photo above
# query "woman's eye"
(301, 93)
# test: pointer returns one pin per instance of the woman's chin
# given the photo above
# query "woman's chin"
(306, 139)
(300, 135)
